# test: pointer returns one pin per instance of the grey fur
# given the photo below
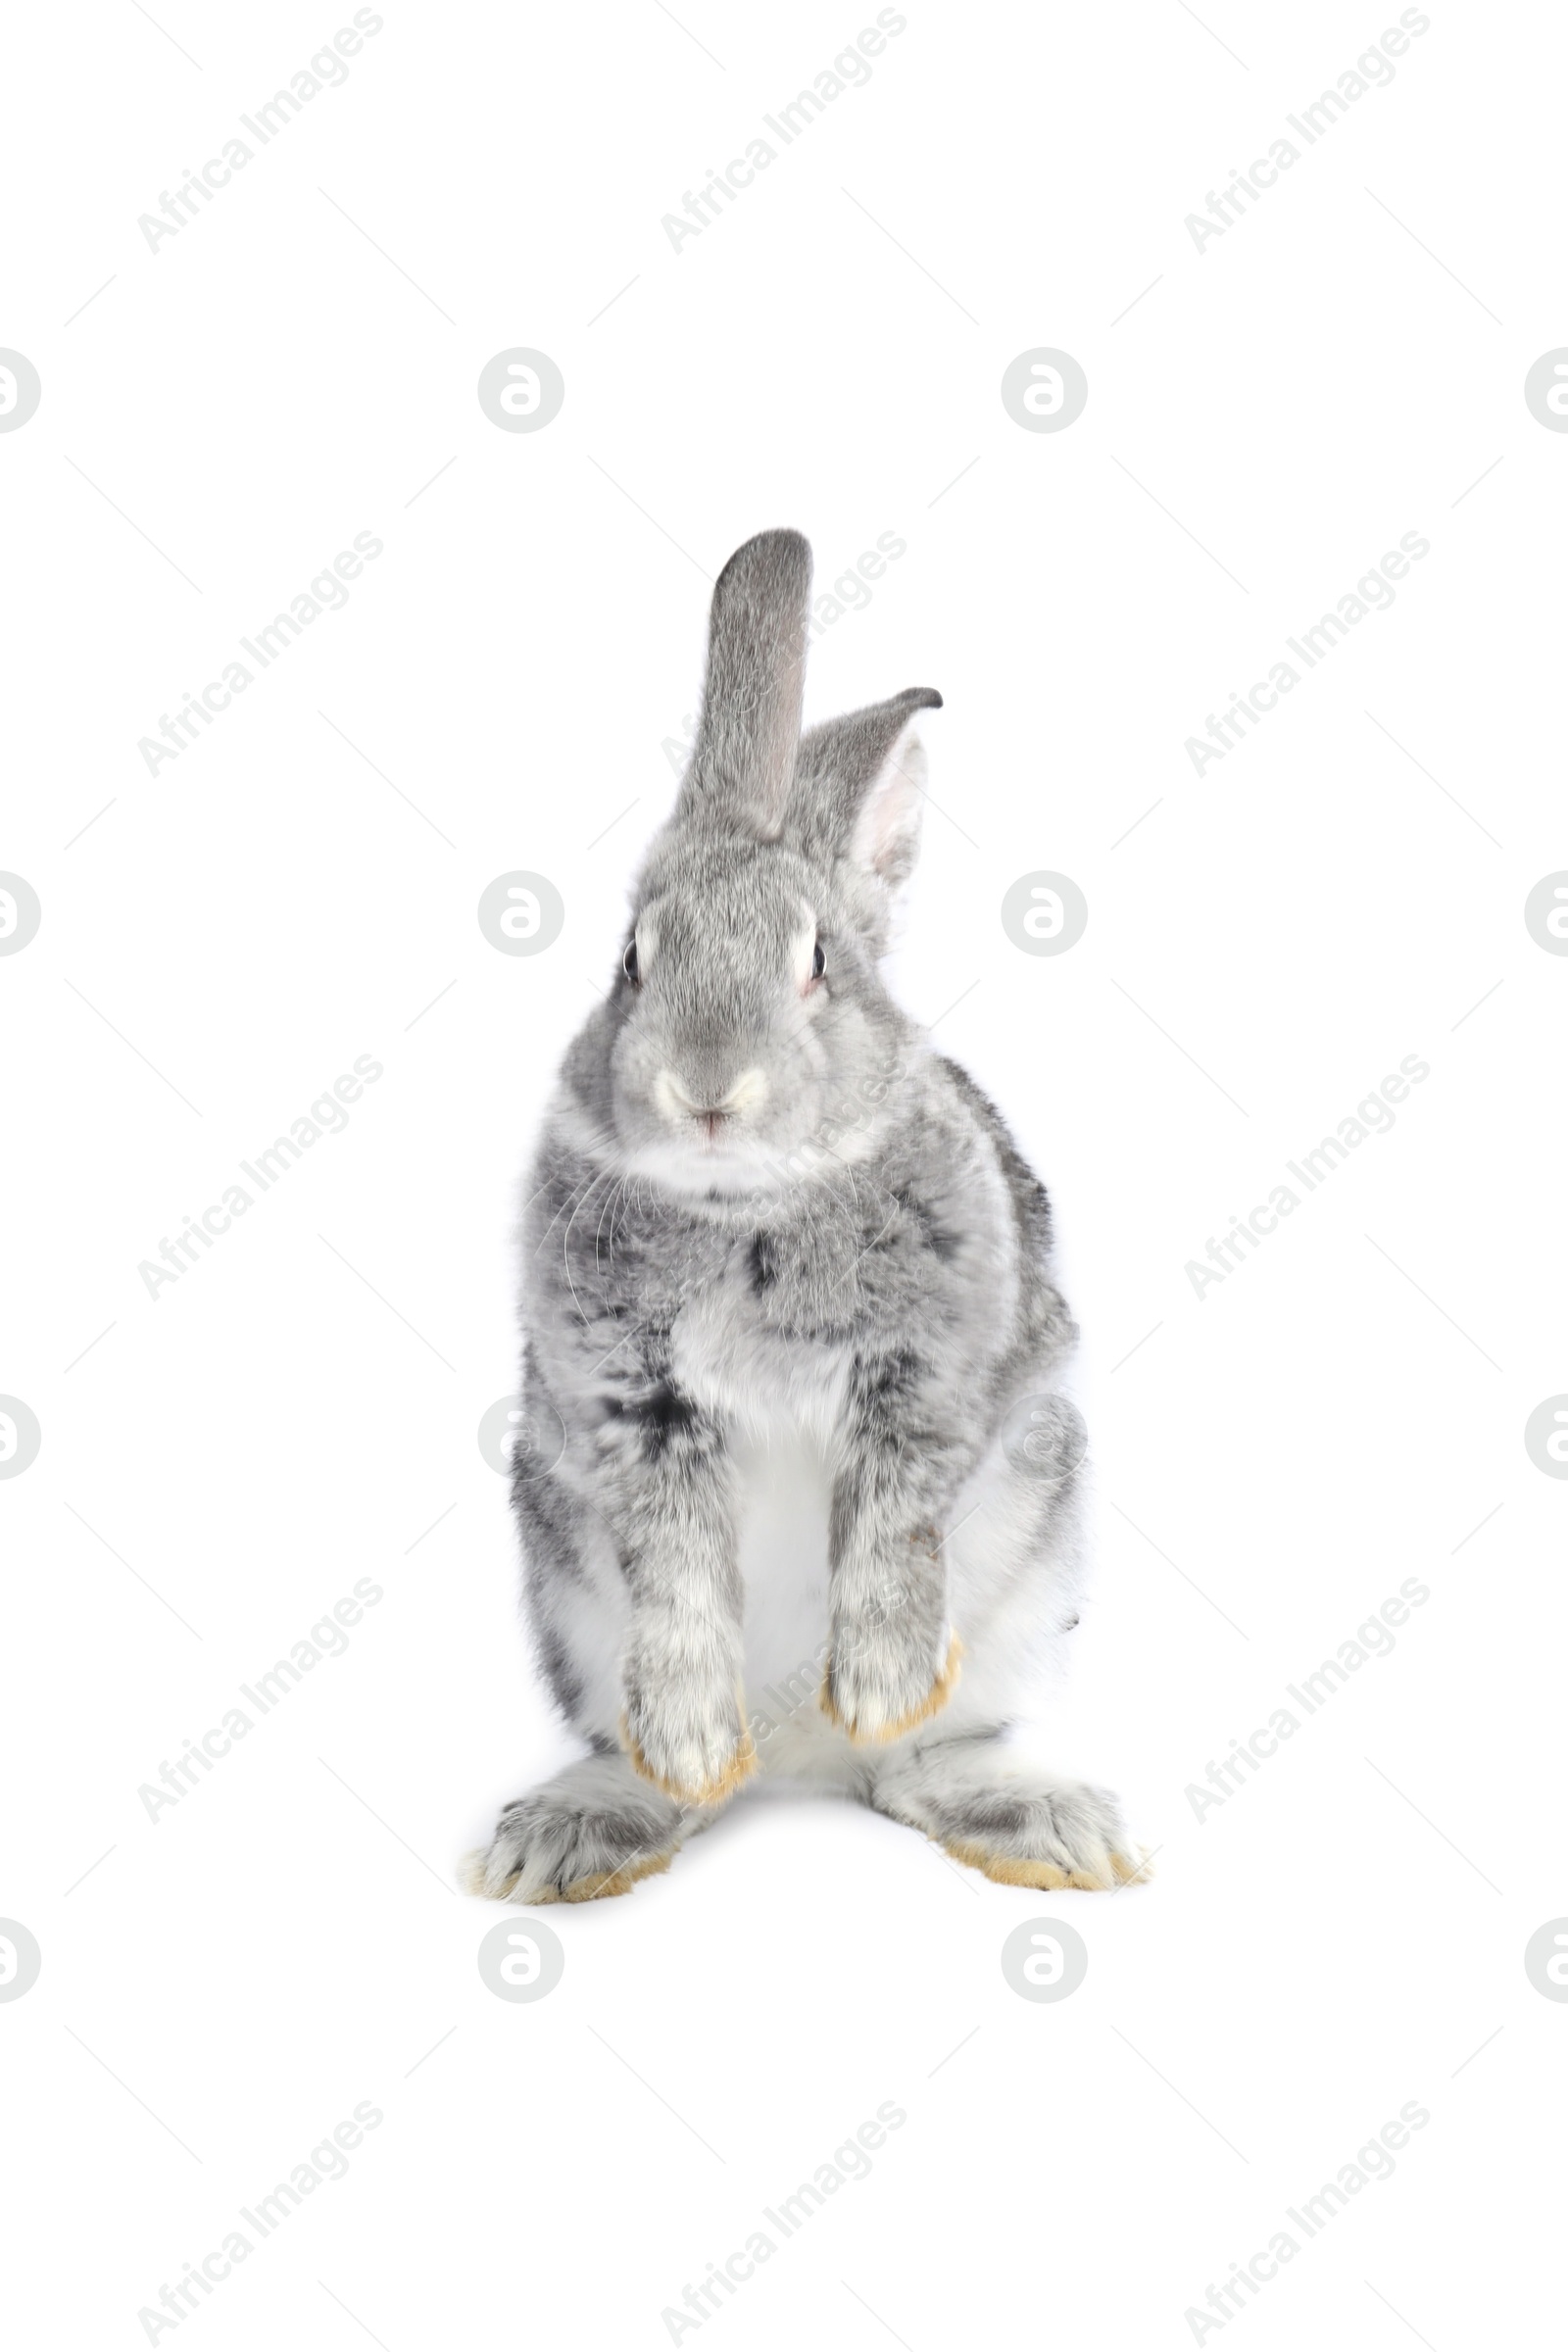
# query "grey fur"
(769, 1226)
(750, 716)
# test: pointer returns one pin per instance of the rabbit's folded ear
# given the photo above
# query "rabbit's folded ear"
(858, 786)
(743, 756)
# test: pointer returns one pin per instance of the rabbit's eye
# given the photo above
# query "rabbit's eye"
(629, 964)
(818, 961)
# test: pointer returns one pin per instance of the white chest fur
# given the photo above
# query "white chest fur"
(780, 1401)
(785, 1489)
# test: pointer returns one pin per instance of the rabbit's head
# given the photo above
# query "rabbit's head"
(752, 1040)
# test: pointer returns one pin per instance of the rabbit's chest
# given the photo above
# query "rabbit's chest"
(757, 1376)
(765, 1343)
(778, 1392)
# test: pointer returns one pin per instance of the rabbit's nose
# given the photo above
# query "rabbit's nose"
(746, 1093)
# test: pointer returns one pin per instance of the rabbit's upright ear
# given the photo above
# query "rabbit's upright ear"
(743, 756)
(860, 784)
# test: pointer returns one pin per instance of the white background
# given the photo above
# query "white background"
(1343, 366)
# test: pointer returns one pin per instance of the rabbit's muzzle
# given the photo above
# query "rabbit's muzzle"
(747, 1093)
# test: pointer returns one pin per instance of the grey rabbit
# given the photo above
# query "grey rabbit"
(787, 1294)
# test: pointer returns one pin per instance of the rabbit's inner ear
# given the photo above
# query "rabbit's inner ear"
(887, 831)
(859, 784)
(744, 757)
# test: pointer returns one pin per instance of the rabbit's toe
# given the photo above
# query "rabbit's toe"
(875, 1697)
(1098, 1871)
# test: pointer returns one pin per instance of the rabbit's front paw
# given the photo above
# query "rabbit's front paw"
(876, 1688)
(695, 1747)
